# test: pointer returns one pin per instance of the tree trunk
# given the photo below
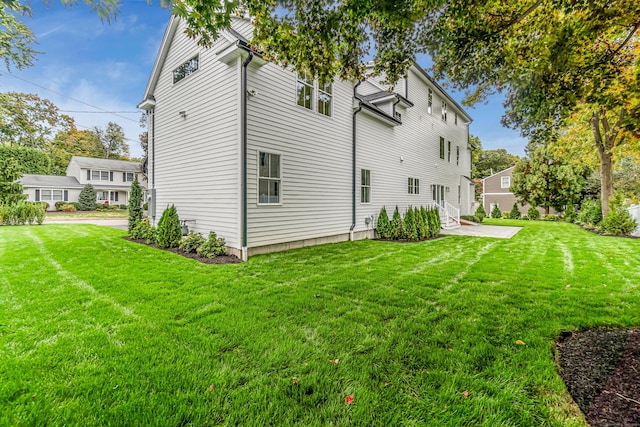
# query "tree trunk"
(606, 180)
(604, 143)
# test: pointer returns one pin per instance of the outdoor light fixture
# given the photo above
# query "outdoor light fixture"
(183, 114)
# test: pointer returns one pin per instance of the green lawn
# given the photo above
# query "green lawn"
(96, 330)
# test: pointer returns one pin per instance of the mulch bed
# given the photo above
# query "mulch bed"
(601, 368)
(221, 259)
(409, 241)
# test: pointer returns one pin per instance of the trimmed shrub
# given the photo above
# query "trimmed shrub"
(144, 231)
(472, 218)
(409, 225)
(21, 213)
(135, 204)
(68, 207)
(213, 246)
(496, 212)
(87, 198)
(570, 214)
(192, 241)
(59, 205)
(618, 221)
(383, 226)
(515, 212)
(481, 214)
(551, 217)
(590, 212)
(397, 226)
(421, 224)
(533, 213)
(169, 229)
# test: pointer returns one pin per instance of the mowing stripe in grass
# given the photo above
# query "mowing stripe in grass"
(75, 281)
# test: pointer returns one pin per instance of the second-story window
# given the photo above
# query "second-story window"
(442, 148)
(305, 91)
(325, 92)
(185, 69)
(449, 151)
(457, 155)
(430, 102)
(97, 175)
(444, 111)
(127, 176)
(505, 182)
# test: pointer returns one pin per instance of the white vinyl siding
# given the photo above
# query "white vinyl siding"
(421, 141)
(315, 160)
(197, 158)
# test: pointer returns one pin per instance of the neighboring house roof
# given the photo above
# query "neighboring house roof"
(46, 181)
(499, 172)
(115, 165)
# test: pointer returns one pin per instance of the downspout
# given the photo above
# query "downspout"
(353, 160)
(243, 136)
(153, 163)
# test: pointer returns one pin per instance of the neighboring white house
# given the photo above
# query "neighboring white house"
(272, 160)
(111, 179)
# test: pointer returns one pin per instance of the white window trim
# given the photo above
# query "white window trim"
(413, 184)
(258, 202)
(502, 179)
(91, 171)
(315, 98)
(369, 186)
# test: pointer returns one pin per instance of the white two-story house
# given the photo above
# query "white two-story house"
(110, 178)
(271, 160)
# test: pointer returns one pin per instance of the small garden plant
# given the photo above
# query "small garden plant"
(515, 212)
(192, 242)
(481, 214)
(533, 213)
(213, 247)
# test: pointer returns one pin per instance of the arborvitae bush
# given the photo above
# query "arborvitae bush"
(590, 212)
(515, 212)
(481, 214)
(570, 214)
(169, 229)
(425, 218)
(135, 204)
(533, 213)
(410, 225)
(421, 225)
(214, 246)
(383, 226)
(397, 228)
(87, 198)
(192, 241)
(496, 212)
(437, 224)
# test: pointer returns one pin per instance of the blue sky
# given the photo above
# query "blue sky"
(107, 65)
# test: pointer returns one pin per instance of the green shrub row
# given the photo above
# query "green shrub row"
(417, 224)
(21, 213)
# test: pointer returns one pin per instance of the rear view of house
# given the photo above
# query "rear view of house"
(271, 159)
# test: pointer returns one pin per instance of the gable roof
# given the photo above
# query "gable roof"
(499, 172)
(110, 164)
(29, 180)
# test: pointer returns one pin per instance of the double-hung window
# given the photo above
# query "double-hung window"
(430, 102)
(505, 182)
(314, 95)
(365, 186)
(269, 181)
(127, 176)
(325, 92)
(96, 175)
(305, 91)
(449, 151)
(442, 148)
(413, 185)
(444, 111)
(457, 155)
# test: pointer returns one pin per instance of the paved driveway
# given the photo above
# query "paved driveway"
(498, 231)
(121, 223)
